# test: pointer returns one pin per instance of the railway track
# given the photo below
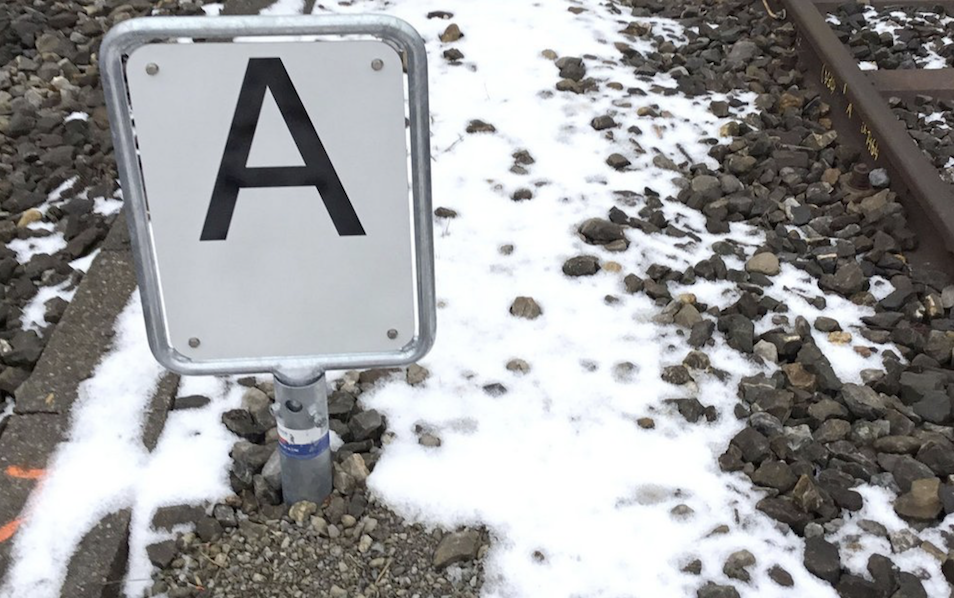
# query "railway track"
(864, 120)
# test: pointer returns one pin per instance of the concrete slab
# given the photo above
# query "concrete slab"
(118, 237)
(25, 448)
(254, 7)
(245, 7)
(41, 417)
(81, 338)
(159, 409)
(99, 564)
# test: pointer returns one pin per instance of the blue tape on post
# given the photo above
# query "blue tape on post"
(303, 451)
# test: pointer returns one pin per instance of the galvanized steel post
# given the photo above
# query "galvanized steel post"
(304, 441)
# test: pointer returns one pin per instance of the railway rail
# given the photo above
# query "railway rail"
(863, 119)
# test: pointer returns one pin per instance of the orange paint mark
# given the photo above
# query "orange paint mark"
(7, 531)
(25, 474)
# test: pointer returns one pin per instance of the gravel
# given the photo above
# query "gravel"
(351, 545)
(806, 438)
(56, 165)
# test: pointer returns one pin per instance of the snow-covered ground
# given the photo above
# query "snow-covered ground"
(889, 22)
(579, 499)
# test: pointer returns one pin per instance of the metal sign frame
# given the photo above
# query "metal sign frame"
(126, 37)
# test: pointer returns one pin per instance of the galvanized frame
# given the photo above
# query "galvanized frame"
(129, 35)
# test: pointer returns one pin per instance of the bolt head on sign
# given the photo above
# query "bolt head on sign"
(269, 194)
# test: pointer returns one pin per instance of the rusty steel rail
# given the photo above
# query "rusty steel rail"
(860, 114)
(909, 83)
(829, 5)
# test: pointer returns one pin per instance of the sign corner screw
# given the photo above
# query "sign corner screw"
(152, 68)
(377, 64)
(194, 342)
(392, 334)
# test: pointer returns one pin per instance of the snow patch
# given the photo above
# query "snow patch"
(27, 248)
(34, 313)
(103, 467)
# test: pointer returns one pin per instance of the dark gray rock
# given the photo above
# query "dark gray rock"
(11, 378)
(495, 389)
(785, 511)
(852, 586)
(341, 404)
(26, 348)
(815, 362)
(208, 529)
(479, 126)
(922, 503)
(909, 586)
(190, 402)
(633, 283)
(581, 265)
(825, 324)
(162, 553)
(701, 333)
(676, 374)
(571, 67)
(915, 386)
(907, 469)
(240, 423)
(526, 307)
(780, 576)
(366, 425)
(617, 161)
(168, 517)
(775, 474)
(847, 280)
(714, 590)
(754, 446)
(265, 492)
(457, 547)
(598, 231)
(822, 559)
(692, 410)
(863, 401)
(742, 52)
(601, 123)
(739, 331)
(938, 454)
(935, 407)
(884, 573)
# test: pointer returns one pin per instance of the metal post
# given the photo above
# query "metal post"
(302, 414)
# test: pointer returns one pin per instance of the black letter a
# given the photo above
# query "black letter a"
(262, 74)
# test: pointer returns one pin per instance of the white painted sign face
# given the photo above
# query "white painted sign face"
(276, 176)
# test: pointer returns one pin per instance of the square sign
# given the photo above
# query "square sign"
(267, 185)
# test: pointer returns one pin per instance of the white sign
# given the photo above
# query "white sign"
(276, 180)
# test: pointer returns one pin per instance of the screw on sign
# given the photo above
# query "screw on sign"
(303, 179)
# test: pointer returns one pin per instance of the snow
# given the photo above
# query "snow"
(858, 546)
(557, 464)
(213, 9)
(7, 409)
(57, 193)
(103, 466)
(107, 206)
(891, 21)
(83, 264)
(285, 7)
(34, 312)
(189, 466)
(939, 117)
(27, 248)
